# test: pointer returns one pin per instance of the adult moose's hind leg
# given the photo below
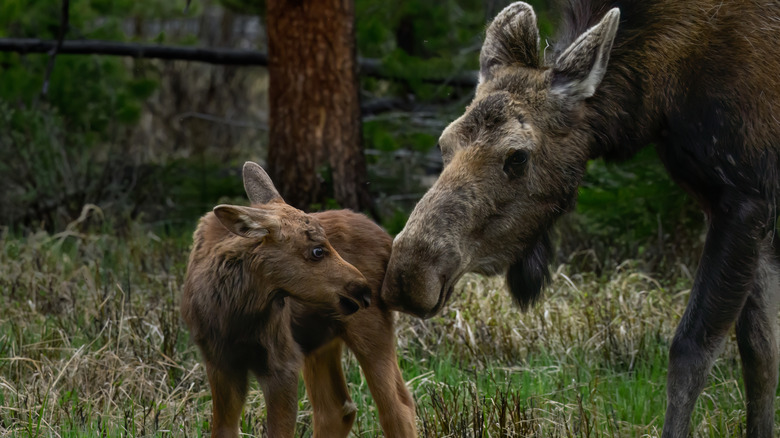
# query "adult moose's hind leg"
(723, 282)
(334, 411)
(757, 339)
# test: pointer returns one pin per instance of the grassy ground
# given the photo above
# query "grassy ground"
(91, 344)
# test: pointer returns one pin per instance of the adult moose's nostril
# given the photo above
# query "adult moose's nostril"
(348, 306)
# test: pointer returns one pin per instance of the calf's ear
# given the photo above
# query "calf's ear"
(246, 221)
(578, 71)
(258, 185)
(511, 39)
(530, 273)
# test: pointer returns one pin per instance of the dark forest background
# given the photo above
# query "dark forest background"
(107, 162)
(119, 140)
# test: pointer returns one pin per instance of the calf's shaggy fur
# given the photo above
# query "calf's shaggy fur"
(271, 290)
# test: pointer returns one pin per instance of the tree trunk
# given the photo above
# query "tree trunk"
(315, 148)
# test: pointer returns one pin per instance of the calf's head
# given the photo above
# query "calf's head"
(287, 250)
(512, 165)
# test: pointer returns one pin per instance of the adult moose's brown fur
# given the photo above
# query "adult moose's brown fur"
(700, 80)
(271, 290)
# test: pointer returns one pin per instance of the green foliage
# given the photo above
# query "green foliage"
(395, 222)
(633, 199)
(91, 344)
(55, 165)
(75, 148)
(386, 140)
(418, 27)
(418, 39)
(246, 7)
(421, 39)
(73, 142)
(86, 90)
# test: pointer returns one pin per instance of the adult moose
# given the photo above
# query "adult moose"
(699, 79)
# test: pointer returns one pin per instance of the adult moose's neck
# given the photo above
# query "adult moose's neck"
(625, 113)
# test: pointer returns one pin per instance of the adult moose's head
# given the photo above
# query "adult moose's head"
(513, 163)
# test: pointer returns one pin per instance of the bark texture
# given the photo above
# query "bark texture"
(315, 149)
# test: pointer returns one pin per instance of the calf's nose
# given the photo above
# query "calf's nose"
(360, 292)
(348, 306)
(357, 295)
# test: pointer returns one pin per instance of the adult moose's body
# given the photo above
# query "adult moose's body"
(699, 79)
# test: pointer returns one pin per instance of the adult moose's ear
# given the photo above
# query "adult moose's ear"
(579, 69)
(246, 221)
(528, 275)
(258, 185)
(511, 39)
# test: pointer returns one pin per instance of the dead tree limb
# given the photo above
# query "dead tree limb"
(98, 47)
(368, 66)
(64, 20)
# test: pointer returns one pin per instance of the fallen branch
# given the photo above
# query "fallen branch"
(368, 66)
(64, 20)
(97, 47)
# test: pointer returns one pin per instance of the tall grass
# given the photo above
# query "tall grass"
(91, 344)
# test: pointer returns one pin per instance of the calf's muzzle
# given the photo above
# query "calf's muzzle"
(357, 295)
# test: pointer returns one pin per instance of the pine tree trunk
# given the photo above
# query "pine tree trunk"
(314, 104)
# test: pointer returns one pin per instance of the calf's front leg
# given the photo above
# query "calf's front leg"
(280, 389)
(228, 392)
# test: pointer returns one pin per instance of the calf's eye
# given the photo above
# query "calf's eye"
(515, 163)
(317, 253)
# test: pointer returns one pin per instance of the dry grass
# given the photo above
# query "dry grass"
(91, 344)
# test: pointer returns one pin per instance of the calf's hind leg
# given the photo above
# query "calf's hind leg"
(334, 411)
(370, 336)
(757, 340)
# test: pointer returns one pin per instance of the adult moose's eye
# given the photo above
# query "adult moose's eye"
(515, 163)
(317, 253)
(445, 153)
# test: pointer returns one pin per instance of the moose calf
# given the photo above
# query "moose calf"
(271, 290)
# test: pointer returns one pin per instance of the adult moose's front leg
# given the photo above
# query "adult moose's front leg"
(723, 282)
(757, 339)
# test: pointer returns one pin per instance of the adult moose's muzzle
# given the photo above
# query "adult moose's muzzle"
(420, 278)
